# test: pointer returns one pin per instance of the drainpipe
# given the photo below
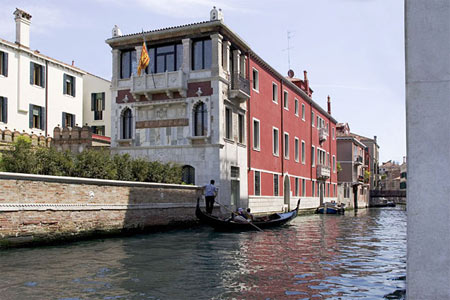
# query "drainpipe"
(249, 121)
(46, 98)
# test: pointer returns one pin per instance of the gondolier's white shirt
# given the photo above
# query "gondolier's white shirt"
(210, 190)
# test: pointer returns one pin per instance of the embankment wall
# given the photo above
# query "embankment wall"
(36, 209)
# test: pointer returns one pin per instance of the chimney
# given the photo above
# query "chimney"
(23, 21)
(73, 63)
(329, 105)
(305, 79)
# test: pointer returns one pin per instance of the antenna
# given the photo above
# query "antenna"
(289, 36)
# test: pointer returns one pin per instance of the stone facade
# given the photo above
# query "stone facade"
(36, 208)
(77, 139)
(7, 137)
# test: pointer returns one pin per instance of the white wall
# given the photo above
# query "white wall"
(20, 93)
(94, 84)
(428, 144)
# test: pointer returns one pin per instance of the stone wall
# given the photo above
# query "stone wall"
(36, 208)
(77, 139)
(7, 137)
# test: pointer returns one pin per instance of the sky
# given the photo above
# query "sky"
(353, 50)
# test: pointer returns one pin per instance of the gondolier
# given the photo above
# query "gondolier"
(210, 195)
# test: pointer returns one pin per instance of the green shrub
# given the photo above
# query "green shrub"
(94, 164)
(140, 168)
(49, 161)
(20, 159)
(124, 167)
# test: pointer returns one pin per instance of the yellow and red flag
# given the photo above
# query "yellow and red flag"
(144, 60)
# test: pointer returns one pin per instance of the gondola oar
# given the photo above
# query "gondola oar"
(237, 214)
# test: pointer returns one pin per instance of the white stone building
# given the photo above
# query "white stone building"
(38, 93)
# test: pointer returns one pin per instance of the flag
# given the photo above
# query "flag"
(144, 60)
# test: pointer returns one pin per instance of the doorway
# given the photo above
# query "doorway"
(287, 192)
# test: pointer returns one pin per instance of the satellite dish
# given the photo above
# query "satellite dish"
(291, 73)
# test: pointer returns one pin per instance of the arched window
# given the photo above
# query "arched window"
(126, 123)
(188, 175)
(200, 120)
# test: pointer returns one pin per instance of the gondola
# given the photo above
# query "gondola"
(331, 208)
(272, 220)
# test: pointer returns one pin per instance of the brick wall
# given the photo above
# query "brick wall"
(36, 208)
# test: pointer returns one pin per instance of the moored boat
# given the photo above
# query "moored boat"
(272, 220)
(330, 208)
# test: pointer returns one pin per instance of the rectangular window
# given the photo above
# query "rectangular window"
(274, 93)
(303, 152)
(334, 164)
(313, 153)
(296, 149)
(312, 119)
(3, 110)
(285, 100)
(98, 105)
(255, 80)
(304, 187)
(296, 187)
(318, 189)
(165, 58)
(100, 130)
(201, 54)
(257, 183)
(68, 120)
(4, 64)
(255, 134)
(36, 117)
(286, 145)
(69, 85)
(275, 185)
(303, 112)
(313, 185)
(296, 107)
(228, 123)
(241, 128)
(275, 142)
(128, 63)
(332, 130)
(37, 74)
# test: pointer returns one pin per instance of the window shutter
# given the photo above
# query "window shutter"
(30, 115)
(31, 72)
(64, 84)
(92, 101)
(103, 101)
(73, 121)
(73, 86)
(43, 76)
(5, 64)
(5, 110)
(43, 116)
(63, 122)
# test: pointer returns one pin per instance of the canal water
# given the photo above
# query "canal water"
(356, 256)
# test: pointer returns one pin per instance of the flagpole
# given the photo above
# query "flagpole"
(151, 72)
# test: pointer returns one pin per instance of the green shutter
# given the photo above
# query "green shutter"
(73, 86)
(73, 121)
(63, 122)
(5, 64)
(43, 118)
(5, 110)
(31, 72)
(103, 101)
(64, 84)
(92, 101)
(43, 76)
(30, 116)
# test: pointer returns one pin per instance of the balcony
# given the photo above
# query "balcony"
(323, 172)
(323, 134)
(358, 160)
(167, 82)
(240, 88)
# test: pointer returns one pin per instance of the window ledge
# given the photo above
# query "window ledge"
(230, 141)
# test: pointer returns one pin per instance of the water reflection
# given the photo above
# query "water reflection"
(360, 256)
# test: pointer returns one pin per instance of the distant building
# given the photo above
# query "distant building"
(354, 160)
(210, 103)
(38, 93)
(403, 174)
(390, 176)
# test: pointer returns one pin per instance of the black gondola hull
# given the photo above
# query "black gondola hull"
(273, 220)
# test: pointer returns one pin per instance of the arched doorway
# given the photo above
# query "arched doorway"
(287, 192)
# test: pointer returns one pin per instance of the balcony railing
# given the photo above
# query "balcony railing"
(167, 82)
(358, 160)
(323, 172)
(240, 88)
